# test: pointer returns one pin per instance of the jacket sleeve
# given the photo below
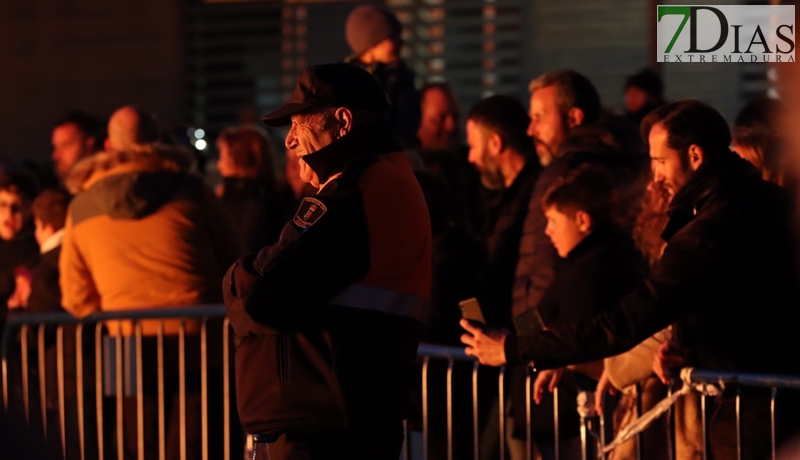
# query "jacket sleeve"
(635, 364)
(311, 263)
(535, 270)
(676, 286)
(79, 294)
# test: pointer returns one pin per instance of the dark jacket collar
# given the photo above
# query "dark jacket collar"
(525, 174)
(712, 182)
(598, 237)
(360, 142)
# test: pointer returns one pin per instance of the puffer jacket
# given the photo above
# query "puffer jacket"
(143, 232)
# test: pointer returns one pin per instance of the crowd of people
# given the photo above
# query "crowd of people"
(606, 252)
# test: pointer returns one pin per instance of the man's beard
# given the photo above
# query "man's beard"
(491, 177)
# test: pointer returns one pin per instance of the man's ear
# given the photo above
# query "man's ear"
(583, 220)
(107, 145)
(495, 144)
(696, 157)
(344, 118)
(574, 117)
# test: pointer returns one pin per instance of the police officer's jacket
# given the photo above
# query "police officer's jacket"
(329, 317)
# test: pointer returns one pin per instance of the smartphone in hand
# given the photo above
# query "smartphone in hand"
(471, 311)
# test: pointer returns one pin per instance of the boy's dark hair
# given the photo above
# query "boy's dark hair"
(588, 188)
(16, 181)
(508, 118)
(50, 207)
(690, 122)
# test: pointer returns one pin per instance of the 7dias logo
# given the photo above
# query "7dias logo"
(725, 33)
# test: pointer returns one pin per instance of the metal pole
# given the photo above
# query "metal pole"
(226, 391)
(182, 385)
(475, 430)
(501, 405)
(162, 443)
(204, 384)
(24, 356)
(139, 393)
(773, 394)
(555, 419)
(528, 433)
(60, 390)
(79, 385)
(738, 423)
(120, 419)
(425, 407)
(703, 421)
(98, 389)
(450, 409)
(42, 378)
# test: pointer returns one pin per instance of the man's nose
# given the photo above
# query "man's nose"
(291, 140)
(532, 131)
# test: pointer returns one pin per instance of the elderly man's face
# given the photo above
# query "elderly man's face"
(309, 133)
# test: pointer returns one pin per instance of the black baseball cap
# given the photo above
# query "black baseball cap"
(335, 85)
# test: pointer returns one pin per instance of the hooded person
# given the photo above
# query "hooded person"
(374, 36)
(329, 318)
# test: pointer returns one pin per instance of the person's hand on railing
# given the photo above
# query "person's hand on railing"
(547, 378)
(667, 361)
(487, 345)
(603, 385)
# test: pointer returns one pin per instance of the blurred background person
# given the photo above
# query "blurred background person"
(131, 126)
(644, 91)
(19, 251)
(75, 136)
(374, 36)
(756, 139)
(445, 155)
(249, 186)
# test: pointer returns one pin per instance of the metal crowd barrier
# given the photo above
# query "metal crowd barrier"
(113, 360)
(20, 324)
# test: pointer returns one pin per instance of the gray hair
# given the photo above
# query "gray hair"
(574, 90)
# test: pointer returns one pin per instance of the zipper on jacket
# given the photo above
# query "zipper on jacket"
(283, 357)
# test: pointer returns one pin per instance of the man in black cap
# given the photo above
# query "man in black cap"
(374, 36)
(330, 315)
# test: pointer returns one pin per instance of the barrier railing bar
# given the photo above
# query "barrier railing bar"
(42, 377)
(450, 364)
(120, 389)
(773, 394)
(475, 428)
(425, 408)
(738, 423)
(162, 442)
(60, 389)
(139, 392)
(204, 385)
(79, 389)
(501, 406)
(226, 391)
(182, 385)
(98, 388)
(24, 357)
(528, 431)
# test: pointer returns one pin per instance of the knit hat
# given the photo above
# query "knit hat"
(368, 25)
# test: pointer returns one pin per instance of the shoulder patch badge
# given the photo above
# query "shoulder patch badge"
(311, 209)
